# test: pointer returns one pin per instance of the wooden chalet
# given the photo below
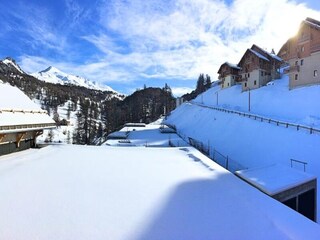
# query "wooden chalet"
(228, 74)
(258, 67)
(302, 53)
(21, 121)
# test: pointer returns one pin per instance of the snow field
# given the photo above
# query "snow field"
(253, 143)
(83, 192)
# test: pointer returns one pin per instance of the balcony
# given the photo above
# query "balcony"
(295, 68)
(303, 39)
(315, 48)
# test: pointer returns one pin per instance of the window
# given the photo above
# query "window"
(255, 82)
(296, 63)
(296, 77)
(228, 84)
(302, 49)
(301, 62)
(315, 73)
(245, 84)
(248, 75)
(262, 73)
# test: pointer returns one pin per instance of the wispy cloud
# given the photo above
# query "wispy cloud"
(188, 38)
(36, 25)
(173, 39)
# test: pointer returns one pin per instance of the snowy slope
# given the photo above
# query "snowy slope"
(249, 143)
(54, 75)
(81, 192)
(62, 134)
(300, 105)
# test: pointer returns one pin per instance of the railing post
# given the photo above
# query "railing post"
(227, 164)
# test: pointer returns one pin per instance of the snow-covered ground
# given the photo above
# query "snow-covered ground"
(251, 143)
(82, 192)
(300, 105)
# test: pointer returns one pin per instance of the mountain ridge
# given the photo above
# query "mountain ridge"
(56, 76)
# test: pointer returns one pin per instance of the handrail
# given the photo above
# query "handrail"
(298, 161)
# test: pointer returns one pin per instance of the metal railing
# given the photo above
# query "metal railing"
(298, 127)
(223, 160)
(299, 162)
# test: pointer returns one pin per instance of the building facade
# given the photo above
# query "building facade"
(302, 52)
(228, 74)
(258, 67)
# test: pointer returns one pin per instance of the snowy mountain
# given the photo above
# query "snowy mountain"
(56, 76)
(12, 65)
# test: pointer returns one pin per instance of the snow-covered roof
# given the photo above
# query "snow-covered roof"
(258, 54)
(275, 178)
(272, 55)
(16, 109)
(86, 192)
(233, 65)
(147, 135)
(276, 57)
(312, 22)
(118, 135)
(13, 98)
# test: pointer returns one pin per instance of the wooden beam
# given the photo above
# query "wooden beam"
(19, 138)
(2, 136)
(38, 133)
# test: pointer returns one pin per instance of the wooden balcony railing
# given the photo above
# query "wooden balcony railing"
(27, 126)
(295, 68)
(315, 48)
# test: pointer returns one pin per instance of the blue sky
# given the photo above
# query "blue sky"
(128, 43)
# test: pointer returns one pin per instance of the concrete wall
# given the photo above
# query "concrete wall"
(228, 81)
(249, 83)
(295, 193)
(305, 72)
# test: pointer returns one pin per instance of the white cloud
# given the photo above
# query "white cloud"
(174, 39)
(192, 37)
